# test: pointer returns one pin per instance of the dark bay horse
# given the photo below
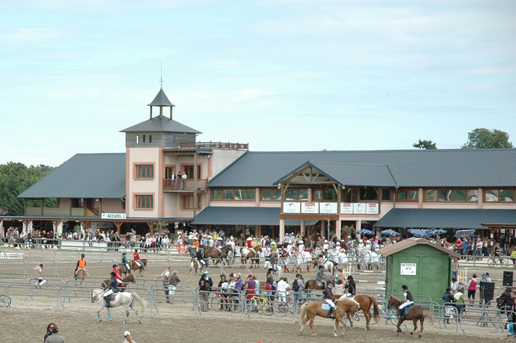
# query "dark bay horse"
(313, 284)
(123, 285)
(312, 309)
(366, 302)
(135, 266)
(416, 313)
(217, 254)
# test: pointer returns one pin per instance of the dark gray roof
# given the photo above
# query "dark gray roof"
(445, 218)
(413, 241)
(161, 99)
(243, 216)
(409, 168)
(160, 124)
(352, 174)
(83, 176)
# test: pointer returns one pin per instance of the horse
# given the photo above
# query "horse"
(416, 313)
(312, 309)
(123, 285)
(251, 254)
(123, 270)
(217, 254)
(196, 266)
(366, 302)
(276, 270)
(313, 284)
(135, 266)
(121, 299)
(80, 274)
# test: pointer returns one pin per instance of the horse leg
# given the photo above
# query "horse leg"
(398, 331)
(340, 320)
(414, 321)
(303, 323)
(422, 321)
(349, 318)
(312, 325)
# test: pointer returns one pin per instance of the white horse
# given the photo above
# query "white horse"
(267, 265)
(125, 299)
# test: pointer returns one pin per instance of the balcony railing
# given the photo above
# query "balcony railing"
(216, 145)
(185, 185)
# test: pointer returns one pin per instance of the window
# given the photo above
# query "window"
(351, 195)
(216, 194)
(296, 194)
(188, 201)
(271, 194)
(189, 170)
(386, 194)
(368, 194)
(229, 194)
(407, 195)
(328, 194)
(144, 201)
(450, 195)
(143, 138)
(150, 138)
(499, 195)
(145, 171)
(168, 172)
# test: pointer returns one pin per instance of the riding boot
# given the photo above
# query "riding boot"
(330, 312)
(108, 302)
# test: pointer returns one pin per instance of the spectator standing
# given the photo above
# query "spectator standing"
(39, 275)
(205, 285)
(128, 339)
(448, 304)
(183, 179)
(472, 287)
(166, 275)
(297, 287)
(455, 267)
(54, 337)
(282, 290)
(49, 331)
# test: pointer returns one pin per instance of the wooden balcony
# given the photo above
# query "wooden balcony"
(184, 185)
(215, 145)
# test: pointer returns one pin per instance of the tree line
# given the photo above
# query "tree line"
(477, 139)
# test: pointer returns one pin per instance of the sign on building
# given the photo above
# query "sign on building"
(407, 268)
(113, 216)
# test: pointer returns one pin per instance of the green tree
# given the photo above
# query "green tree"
(487, 139)
(425, 144)
(14, 179)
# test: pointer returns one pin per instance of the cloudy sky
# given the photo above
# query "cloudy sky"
(278, 74)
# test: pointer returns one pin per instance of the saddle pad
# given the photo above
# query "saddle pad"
(407, 309)
(325, 306)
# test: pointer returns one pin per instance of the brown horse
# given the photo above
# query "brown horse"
(123, 269)
(251, 254)
(80, 274)
(123, 285)
(134, 266)
(312, 309)
(416, 313)
(217, 254)
(313, 284)
(366, 302)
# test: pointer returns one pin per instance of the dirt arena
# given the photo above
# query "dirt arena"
(25, 321)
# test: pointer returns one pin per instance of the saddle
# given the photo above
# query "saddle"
(407, 309)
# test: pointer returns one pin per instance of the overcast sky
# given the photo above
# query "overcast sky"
(279, 75)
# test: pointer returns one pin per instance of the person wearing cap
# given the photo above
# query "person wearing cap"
(250, 287)
(407, 301)
(249, 242)
(350, 286)
(330, 299)
(125, 263)
(81, 264)
(136, 258)
(205, 285)
(111, 287)
(319, 276)
(128, 339)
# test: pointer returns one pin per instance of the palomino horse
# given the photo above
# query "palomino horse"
(251, 254)
(123, 285)
(135, 266)
(121, 299)
(80, 274)
(218, 254)
(365, 302)
(312, 309)
(416, 313)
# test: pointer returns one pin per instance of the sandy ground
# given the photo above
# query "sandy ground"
(26, 321)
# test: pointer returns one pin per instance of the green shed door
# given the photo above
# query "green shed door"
(436, 276)
(399, 278)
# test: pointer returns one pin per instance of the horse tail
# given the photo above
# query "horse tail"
(302, 314)
(429, 315)
(191, 267)
(376, 310)
(142, 302)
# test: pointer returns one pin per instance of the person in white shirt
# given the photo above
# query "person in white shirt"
(282, 290)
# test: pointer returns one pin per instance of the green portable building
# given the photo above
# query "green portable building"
(423, 266)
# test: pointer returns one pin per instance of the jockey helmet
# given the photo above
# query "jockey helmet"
(82, 255)
(127, 333)
(404, 287)
(113, 274)
(321, 267)
(221, 275)
(206, 272)
(135, 250)
(114, 266)
(124, 253)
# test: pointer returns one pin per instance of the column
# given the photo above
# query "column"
(338, 228)
(281, 229)
(303, 228)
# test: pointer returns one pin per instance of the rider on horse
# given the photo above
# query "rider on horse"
(330, 299)
(112, 287)
(118, 277)
(125, 262)
(81, 264)
(319, 276)
(137, 259)
(409, 300)
(351, 287)
(199, 254)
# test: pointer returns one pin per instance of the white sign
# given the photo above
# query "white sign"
(113, 216)
(329, 207)
(291, 207)
(359, 208)
(346, 208)
(310, 207)
(407, 269)
(372, 208)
